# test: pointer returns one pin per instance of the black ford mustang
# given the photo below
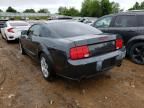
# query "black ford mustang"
(71, 49)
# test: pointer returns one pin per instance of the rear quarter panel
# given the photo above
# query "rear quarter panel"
(57, 51)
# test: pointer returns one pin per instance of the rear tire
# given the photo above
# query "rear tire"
(137, 53)
(46, 67)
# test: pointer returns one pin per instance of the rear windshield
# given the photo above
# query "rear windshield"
(2, 22)
(19, 24)
(71, 29)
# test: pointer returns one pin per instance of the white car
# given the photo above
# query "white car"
(12, 29)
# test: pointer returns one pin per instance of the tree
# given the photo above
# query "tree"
(29, 11)
(44, 11)
(91, 8)
(142, 5)
(115, 7)
(106, 7)
(97, 8)
(10, 9)
(68, 11)
(63, 11)
(94, 9)
(85, 7)
(72, 12)
(136, 6)
(1, 10)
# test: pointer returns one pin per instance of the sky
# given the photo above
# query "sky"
(53, 5)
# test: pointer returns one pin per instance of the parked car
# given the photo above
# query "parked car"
(2, 23)
(60, 17)
(12, 29)
(89, 20)
(71, 49)
(130, 25)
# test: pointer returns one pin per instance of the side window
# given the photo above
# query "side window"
(45, 32)
(34, 30)
(125, 21)
(104, 22)
(140, 19)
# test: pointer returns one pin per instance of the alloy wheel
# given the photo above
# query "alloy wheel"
(138, 54)
(44, 67)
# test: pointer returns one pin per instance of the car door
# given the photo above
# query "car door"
(140, 24)
(103, 23)
(32, 40)
(125, 25)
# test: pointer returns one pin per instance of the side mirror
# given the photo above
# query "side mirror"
(25, 32)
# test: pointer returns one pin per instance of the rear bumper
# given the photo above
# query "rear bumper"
(78, 69)
(11, 36)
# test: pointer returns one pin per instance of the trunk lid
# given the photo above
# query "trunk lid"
(19, 29)
(97, 44)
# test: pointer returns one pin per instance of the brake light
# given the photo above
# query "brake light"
(10, 30)
(79, 52)
(119, 43)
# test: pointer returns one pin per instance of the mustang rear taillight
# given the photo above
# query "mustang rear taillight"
(79, 52)
(119, 43)
(10, 30)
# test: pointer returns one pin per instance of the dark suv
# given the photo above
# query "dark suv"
(130, 25)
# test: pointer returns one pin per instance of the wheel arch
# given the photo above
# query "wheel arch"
(133, 41)
(44, 50)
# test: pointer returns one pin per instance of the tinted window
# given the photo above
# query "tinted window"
(125, 21)
(141, 20)
(34, 30)
(103, 23)
(2, 23)
(70, 29)
(19, 24)
(45, 32)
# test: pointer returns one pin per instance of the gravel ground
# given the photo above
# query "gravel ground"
(22, 85)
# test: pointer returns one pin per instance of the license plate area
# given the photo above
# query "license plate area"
(108, 63)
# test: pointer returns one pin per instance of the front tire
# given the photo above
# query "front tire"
(46, 68)
(22, 51)
(137, 53)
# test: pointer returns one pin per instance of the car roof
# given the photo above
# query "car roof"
(128, 13)
(58, 21)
